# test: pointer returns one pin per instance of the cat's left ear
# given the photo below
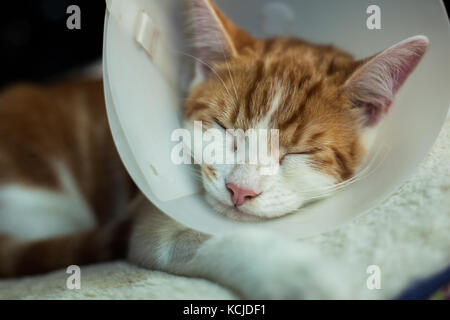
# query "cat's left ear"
(216, 37)
(374, 84)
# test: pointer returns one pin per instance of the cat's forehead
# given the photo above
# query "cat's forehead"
(292, 57)
(273, 95)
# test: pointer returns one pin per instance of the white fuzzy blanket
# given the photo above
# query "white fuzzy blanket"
(408, 237)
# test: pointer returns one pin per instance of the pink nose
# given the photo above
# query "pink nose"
(238, 195)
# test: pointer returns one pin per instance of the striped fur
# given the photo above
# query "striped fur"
(63, 189)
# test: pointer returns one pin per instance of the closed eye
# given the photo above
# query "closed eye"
(219, 123)
(301, 153)
(309, 151)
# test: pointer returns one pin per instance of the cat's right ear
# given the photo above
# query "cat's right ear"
(216, 38)
(375, 83)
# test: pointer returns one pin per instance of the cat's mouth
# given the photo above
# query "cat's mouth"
(237, 214)
(233, 212)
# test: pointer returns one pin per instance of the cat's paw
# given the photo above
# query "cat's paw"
(260, 265)
(292, 276)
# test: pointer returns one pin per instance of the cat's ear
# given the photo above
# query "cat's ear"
(376, 81)
(216, 38)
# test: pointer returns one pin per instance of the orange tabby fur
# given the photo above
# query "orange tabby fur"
(65, 123)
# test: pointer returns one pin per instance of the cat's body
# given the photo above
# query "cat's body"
(66, 199)
(54, 181)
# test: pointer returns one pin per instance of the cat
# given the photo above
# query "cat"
(326, 106)
(66, 199)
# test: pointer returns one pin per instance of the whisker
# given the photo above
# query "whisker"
(365, 172)
(232, 81)
(207, 65)
(231, 76)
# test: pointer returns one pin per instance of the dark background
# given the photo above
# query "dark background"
(36, 45)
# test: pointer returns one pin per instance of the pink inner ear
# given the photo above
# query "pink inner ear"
(416, 50)
(375, 84)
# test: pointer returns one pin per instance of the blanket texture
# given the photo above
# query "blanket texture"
(408, 237)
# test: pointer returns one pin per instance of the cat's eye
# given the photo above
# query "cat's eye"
(301, 153)
(218, 122)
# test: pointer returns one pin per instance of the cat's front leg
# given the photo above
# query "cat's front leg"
(254, 264)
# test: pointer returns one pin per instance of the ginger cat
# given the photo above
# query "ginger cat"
(65, 197)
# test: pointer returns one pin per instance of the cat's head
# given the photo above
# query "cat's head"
(325, 105)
